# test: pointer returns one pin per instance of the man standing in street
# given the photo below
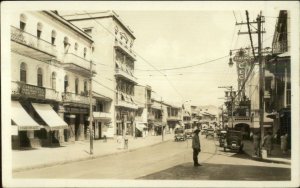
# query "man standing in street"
(196, 146)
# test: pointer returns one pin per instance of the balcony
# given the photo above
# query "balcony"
(102, 115)
(125, 100)
(76, 64)
(28, 44)
(241, 119)
(280, 47)
(125, 75)
(69, 97)
(173, 118)
(125, 48)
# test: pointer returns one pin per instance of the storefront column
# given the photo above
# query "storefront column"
(60, 135)
(81, 127)
(71, 131)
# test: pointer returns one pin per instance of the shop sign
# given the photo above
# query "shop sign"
(33, 91)
(76, 110)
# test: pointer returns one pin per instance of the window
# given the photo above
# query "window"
(66, 83)
(53, 37)
(40, 77)
(66, 42)
(76, 46)
(39, 30)
(76, 85)
(53, 80)
(23, 20)
(84, 52)
(85, 87)
(23, 69)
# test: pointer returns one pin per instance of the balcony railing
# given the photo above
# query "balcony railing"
(125, 48)
(102, 115)
(41, 49)
(52, 94)
(78, 64)
(126, 75)
(280, 47)
(76, 98)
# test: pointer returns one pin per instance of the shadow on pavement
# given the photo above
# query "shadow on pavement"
(187, 171)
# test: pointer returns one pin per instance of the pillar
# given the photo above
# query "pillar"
(60, 135)
(81, 128)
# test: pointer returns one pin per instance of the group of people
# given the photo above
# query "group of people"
(268, 143)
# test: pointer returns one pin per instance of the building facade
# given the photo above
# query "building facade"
(114, 59)
(50, 61)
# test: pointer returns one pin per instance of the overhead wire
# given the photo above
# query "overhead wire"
(138, 55)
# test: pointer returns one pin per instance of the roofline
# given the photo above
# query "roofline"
(111, 14)
(69, 24)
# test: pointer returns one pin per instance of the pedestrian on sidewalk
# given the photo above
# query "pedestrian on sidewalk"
(196, 146)
(267, 143)
(283, 143)
(256, 141)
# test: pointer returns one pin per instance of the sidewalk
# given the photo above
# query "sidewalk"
(276, 157)
(50, 156)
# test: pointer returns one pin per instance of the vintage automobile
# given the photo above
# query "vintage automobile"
(180, 135)
(210, 132)
(222, 137)
(189, 133)
(234, 141)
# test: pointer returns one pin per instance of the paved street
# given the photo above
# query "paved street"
(169, 160)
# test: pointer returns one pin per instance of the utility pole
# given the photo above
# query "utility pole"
(91, 108)
(162, 126)
(231, 97)
(261, 80)
(261, 63)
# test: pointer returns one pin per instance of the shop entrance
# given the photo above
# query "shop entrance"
(24, 140)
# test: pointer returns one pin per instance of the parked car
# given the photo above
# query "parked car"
(189, 133)
(203, 131)
(180, 135)
(234, 141)
(210, 132)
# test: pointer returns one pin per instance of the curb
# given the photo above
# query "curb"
(21, 169)
(266, 160)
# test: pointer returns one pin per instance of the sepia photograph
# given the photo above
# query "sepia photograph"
(150, 94)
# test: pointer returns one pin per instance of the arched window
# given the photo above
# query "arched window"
(53, 37)
(23, 72)
(39, 30)
(76, 85)
(23, 20)
(66, 83)
(84, 52)
(76, 46)
(53, 80)
(85, 87)
(66, 42)
(40, 77)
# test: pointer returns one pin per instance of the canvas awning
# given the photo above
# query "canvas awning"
(140, 126)
(21, 118)
(50, 117)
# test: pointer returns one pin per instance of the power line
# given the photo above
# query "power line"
(184, 67)
(137, 55)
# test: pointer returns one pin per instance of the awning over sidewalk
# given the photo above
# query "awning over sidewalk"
(21, 118)
(51, 118)
(140, 126)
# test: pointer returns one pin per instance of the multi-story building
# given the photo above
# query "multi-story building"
(278, 78)
(143, 100)
(174, 117)
(114, 59)
(195, 117)
(156, 117)
(50, 60)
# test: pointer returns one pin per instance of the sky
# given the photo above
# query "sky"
(170, 39)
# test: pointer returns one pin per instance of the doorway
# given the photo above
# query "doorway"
(77, 127)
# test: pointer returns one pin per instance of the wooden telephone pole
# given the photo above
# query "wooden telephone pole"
(261, 63)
